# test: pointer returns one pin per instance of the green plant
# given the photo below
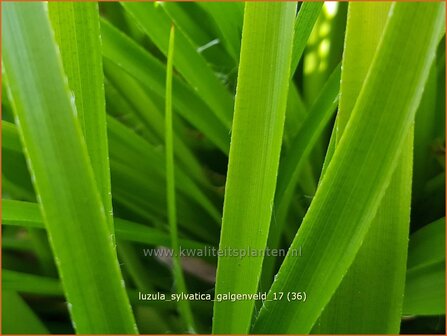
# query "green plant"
(329, 118)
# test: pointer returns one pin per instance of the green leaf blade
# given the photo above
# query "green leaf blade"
(228, 17)
(76, 30)
(27, 214)
(254, 155)
(184, 306)
(63, 176)
(155, 23)
(360, 170)
(305, 21)
(19, 317)
(425, 283)
(150, 72)
(383, 253)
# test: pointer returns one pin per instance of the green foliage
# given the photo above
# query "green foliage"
(425, 286)
(76, 29)
(62, 174)
(361, 168)
(261, 126)
(184, 306)
(363, 284)
(19, 318)
(254, 155)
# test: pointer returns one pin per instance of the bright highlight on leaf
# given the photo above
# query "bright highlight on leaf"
(63, 176)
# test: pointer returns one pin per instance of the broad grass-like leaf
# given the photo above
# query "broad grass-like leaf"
(425, 285)
(383, 252)
(361, 167)
(254, 155)
(64, 178)
(76, 29)
(77, 32)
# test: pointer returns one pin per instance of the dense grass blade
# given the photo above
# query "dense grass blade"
(202, 33)
(193, 67)
(132, 153)
(150, 72)
(132, 161)
(425, 286)
(254, 155)
(334, 227)
(151, 117)
(184, 306)
(120, 108)
(363, 284)
(63, 176)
